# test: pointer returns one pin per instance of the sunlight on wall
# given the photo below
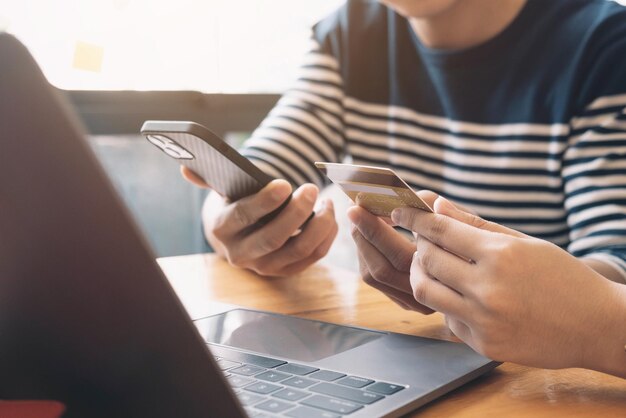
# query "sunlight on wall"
(205, 45)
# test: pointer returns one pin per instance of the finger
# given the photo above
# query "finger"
(404, 302)
(449, 233)
(401, 303)
(403, 299)
(272, 236)
(388, 221)
(460, 329)
(193, 178)
(319, 253)
(379, 266)
(247, 211)
(445, 207)
(393, 246)
(307, 245)
(446, 267)
(435, 295)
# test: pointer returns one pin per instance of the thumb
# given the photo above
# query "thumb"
(443, 206)
(193, 178)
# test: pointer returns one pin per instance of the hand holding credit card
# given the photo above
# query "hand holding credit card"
(378, 190)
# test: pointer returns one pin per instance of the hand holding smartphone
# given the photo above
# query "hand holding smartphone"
(238, 227)
(219, 165)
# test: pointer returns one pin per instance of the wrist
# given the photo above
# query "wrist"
(213, 205)
(605, 349)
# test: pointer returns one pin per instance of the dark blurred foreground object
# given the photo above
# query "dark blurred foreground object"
(86, 315)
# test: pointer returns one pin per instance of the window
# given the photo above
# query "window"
(213, 46)
(203, 45)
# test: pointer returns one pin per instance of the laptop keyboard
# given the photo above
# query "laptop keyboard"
(268, 387)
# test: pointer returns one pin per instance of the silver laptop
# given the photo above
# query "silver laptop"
(88, 318)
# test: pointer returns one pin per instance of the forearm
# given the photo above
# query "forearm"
(606, 349)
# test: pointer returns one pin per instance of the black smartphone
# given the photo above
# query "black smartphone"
(221, 166)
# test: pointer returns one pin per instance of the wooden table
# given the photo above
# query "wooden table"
(331, 294)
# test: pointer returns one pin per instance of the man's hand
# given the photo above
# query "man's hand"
(276, 248)
(512, 297)
(385, 255)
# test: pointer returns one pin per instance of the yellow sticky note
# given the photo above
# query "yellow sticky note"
(88, 56)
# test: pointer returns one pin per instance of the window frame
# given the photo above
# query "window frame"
(123, 112)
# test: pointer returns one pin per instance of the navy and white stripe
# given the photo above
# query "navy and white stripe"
(550, 163)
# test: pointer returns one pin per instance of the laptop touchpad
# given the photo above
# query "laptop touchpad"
(279, 335)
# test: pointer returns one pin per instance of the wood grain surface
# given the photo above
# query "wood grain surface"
(332, 294)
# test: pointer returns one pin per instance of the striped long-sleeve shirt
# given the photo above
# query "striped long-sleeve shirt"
(528, 129)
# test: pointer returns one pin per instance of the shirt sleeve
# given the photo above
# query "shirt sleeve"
(594, 175)
(594, 162)
(306, 125)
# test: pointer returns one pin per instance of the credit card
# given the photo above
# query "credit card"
(379, 190)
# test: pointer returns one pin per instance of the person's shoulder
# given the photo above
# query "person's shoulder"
(598, 28)
(599, 20)
(597, 9)
(578, 22)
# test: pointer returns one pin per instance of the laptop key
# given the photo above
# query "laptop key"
(338, 406)
(263, 388)
(238, 381)
(385, 388)
(354, 381)
(306, 412)
(261, 361)
(227, 364)
(298, 369)
(275, 406)
(345, 392)
(247, 370)
(272, 376)
(327, 375)
(293, 395)
(249, 399)
(298, 382)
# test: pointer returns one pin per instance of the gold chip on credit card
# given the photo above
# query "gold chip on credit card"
(378, 190)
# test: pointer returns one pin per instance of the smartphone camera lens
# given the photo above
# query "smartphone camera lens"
(158, 140)
(170, 147)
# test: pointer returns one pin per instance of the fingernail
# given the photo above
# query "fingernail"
(396, 215)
